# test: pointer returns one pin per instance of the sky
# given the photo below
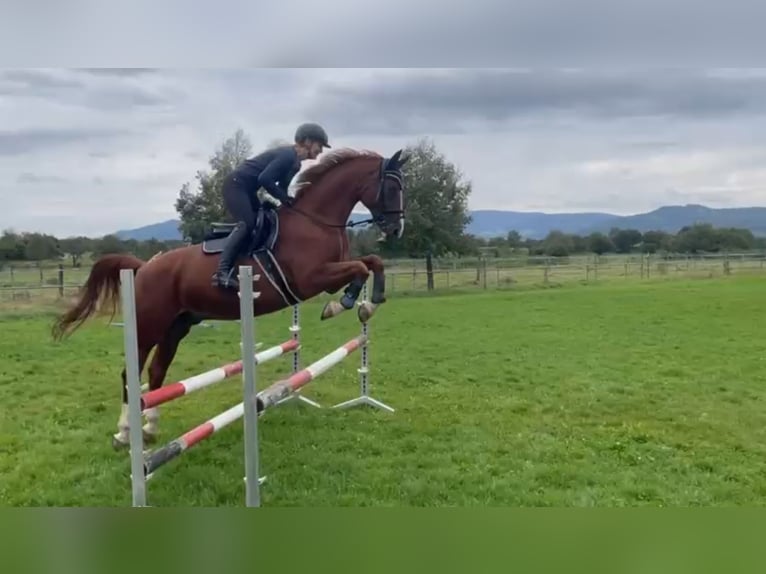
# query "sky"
(90, 151)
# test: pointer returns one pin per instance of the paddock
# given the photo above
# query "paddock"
(599, 395)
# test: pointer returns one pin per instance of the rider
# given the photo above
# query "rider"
(271, 170)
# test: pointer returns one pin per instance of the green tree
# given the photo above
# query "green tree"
(436, 203)
(733, 238)
(599, 243)
(625, 239)
(198, 209)
(39, 246)
(696, 238)
(109, 244)
(558, 244)
(75, 247)
(655, 241)
(11, 246)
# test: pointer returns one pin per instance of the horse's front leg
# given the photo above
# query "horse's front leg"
(374, 264)
(333, 276)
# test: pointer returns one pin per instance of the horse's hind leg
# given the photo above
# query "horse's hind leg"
(122, 438)
(163, 357)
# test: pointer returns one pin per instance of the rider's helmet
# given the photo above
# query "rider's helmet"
(313, 132)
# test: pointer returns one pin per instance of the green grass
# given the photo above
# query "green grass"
(606, 395)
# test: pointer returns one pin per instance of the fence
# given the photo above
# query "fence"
(38, 284)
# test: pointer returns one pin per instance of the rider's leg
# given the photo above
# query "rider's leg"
(237, 201)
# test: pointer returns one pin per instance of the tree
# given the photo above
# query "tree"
(696, 238)
(197, 210)
(436, 201)
(39, 246)
(11, 246)
(625, 239)
(75, 247)
(599, 243)
(655, 241)
(514, 239)
(558, 244)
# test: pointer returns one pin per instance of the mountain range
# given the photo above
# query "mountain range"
(536, 225)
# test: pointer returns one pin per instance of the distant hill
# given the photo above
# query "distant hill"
(163, 231)
(536, 225)
(672, 218)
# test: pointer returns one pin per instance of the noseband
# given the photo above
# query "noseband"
(386, 174)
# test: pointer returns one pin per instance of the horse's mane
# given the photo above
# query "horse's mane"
(326, 162)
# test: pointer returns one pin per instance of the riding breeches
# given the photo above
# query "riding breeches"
(241, 203)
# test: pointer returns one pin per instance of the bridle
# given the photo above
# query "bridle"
(378, 216)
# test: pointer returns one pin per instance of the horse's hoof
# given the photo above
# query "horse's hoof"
(117, 444)
(366, 311)
(332, 309)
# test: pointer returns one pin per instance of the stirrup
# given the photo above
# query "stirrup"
(226, 280)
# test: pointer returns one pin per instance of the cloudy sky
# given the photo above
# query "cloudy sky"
(91, 151)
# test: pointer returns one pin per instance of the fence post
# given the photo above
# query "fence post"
(61, 280)
(429, 271)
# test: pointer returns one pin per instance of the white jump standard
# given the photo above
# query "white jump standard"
(364, 397)
(295, 329)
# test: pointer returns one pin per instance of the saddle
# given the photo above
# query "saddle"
(264, 236)
(260, 247)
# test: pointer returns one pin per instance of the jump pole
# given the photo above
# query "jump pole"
(262, 401)
(295, 330)
(247, 323)
(364, 397)
(130, 337)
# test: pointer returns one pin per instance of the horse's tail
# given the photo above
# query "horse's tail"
(102, 287)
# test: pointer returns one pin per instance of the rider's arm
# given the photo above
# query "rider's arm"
(273, 172)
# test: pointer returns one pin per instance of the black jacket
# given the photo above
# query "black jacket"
(271, 170)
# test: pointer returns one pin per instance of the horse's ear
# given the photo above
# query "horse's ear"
(398, 159)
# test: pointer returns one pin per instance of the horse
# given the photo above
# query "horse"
(297, 252)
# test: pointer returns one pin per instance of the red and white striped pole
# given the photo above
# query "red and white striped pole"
(211, 377)
(265, 399)
(284, 388)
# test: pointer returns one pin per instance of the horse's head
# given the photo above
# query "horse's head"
(385, 199)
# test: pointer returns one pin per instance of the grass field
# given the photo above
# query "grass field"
(609, 394)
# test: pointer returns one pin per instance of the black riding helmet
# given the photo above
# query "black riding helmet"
(312, 131)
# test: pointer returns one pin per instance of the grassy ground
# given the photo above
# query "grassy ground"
(610, 394)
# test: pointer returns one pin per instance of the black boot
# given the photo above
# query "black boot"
(225, 276)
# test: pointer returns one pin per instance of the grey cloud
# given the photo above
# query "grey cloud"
(445, 102)
(544, 32)
(119, 91)
(33, 81)
(119, 72)
(20, 142)
(32, 178)
(481, 32)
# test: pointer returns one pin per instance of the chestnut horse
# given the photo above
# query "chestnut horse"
(305, 252)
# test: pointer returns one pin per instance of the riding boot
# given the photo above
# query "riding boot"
(225, 276)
